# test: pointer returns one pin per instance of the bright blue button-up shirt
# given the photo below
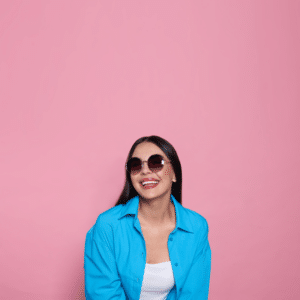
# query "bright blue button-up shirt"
(115, 255)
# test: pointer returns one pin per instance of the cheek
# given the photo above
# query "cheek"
(168, 172)
(134, 182)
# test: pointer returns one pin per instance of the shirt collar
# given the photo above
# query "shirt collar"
(182, 218)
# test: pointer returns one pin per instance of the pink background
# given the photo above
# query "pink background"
(80, 81)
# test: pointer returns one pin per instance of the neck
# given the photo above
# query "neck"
(157, 211)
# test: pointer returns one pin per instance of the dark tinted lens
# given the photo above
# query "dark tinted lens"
(155, 163)
(134, 165)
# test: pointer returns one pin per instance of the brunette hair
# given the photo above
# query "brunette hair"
(130, 192)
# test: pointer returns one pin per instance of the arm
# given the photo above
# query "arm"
(197, 283)
(101, 276)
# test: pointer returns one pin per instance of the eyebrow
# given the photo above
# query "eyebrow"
(151, 155)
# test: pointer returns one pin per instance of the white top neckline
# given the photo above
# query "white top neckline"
(164, 262)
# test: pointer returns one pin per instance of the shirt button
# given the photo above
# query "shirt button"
(137, 280)
(176, 264)
(180, 289)
(171, 239)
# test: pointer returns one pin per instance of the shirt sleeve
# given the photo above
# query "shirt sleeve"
(199, 275)
(102, 280)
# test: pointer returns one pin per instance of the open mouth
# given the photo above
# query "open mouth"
(149, 184)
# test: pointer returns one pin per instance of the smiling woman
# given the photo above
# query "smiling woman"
(148, 246)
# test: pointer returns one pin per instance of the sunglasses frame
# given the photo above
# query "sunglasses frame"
(163, 161)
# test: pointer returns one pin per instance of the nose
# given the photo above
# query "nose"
(145, 169)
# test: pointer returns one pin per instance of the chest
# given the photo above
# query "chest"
(156, 239)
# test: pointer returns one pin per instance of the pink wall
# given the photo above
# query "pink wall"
(80, 81)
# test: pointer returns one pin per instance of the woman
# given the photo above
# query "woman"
(148, 246)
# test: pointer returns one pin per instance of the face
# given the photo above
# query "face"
(164, 178)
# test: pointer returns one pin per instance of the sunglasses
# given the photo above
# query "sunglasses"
(155, 164)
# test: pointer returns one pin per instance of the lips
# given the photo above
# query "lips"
(149, 183)
(148, 179)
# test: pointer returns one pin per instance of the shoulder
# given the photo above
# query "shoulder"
(107, 219)
(199, 223)
(102, 231)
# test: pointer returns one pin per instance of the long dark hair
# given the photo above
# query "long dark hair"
(129, 191)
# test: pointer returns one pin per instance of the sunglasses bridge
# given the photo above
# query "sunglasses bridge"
(163, 161)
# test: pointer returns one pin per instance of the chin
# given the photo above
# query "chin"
(152, 194)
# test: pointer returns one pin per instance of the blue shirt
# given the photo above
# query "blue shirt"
(115, 255)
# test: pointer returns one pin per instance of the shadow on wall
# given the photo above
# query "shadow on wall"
(77, 292)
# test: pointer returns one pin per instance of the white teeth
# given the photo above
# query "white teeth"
(148, 182)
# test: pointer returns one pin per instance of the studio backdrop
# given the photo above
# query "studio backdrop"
(80, 81)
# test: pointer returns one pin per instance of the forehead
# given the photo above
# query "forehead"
(146, 149)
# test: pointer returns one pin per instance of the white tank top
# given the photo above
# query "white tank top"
(158, 281)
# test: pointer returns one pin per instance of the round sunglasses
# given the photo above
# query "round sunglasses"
(155, 164)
